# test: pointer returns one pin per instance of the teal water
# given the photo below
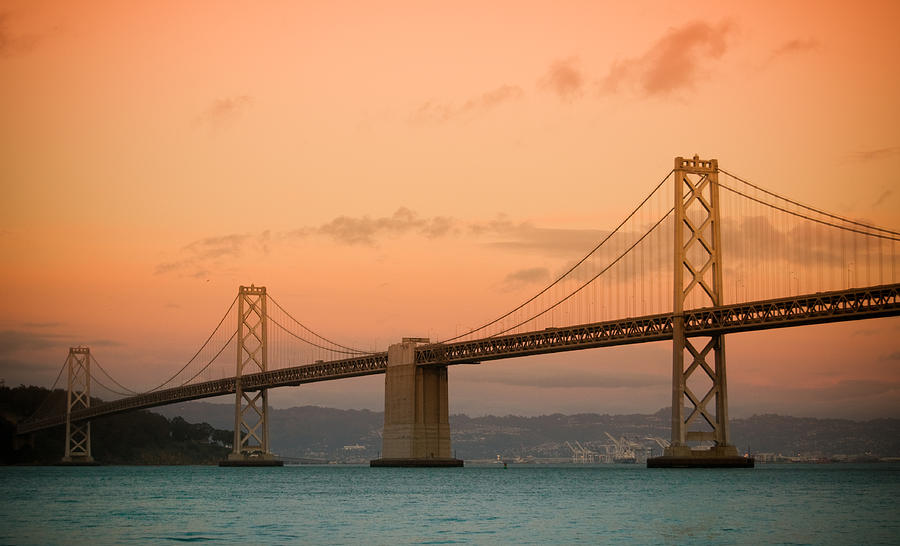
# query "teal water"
(784, 504)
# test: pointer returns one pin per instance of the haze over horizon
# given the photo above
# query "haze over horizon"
(414, 169)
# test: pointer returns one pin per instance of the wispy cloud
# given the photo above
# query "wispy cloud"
(522, 277)
(526, 237)
(200, 257)
(877, 154)
(848, 389)
(885, 195)
(564, 78)
(438, 112)
(13, 341)
(12, 44)
(676, 62)
(42, 324)
(224, 112)
(793, 47)
(365, 230)
(572, 379)
(17, 367)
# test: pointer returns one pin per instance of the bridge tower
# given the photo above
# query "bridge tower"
(698, 278)
(416, 411)
(251, 410)
(78, 433)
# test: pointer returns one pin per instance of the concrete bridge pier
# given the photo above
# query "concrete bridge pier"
(416, 412)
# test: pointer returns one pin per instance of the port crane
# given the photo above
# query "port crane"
(624, 451)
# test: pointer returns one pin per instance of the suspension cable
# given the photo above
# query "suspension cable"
(283, 310)
(845, 228)
(111, 378)
(791, 201)
(213, 359)
(577, 290)
(95, 379)
(351, 352)
(571, 269)
(205, 343)
(50, 394)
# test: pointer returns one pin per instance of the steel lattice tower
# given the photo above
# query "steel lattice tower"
(251, 411)
(78, 433)
(698, 281)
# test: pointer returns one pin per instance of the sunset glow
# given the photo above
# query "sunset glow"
(415, 169)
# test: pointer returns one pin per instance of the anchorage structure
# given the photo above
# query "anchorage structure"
(78, 433)
(698, 275)
(251, 410)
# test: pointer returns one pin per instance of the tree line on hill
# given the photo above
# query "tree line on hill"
(137, 437)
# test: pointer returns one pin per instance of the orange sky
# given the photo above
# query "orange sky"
(156, 155)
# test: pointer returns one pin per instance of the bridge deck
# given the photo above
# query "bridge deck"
(824, 307)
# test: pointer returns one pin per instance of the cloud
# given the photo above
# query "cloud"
(798, 243)
(12, 45)
(793, 47)
(364, 230)
(530, 275)
(42, 324)
(200, 257)
(13, 341)
(12, 367)
(525, 237)
(569, 379)
(202, 254)
(223, 112)
(676, 62)
(437, 112)
(564, 78)
(883, 197)
(877, 154)
(526, 277)
(892, 356)
(848, 389)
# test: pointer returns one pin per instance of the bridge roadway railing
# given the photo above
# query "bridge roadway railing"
(819, 308)
(320, 371)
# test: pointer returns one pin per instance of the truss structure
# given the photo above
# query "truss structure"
(251, 411)
(78, 433)
(820, 308)
(697, 272)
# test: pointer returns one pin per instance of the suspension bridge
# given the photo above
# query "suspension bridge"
(705, 254)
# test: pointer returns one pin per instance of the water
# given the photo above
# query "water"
(805, 504)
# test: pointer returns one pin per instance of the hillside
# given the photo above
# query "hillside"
(139, 437)
(354, 435)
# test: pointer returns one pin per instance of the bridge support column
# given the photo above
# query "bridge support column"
(251, 410)
(78, 433)
(416, 412)
(698, 282)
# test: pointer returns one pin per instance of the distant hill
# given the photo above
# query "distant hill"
(355, 435)
(166, 435)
